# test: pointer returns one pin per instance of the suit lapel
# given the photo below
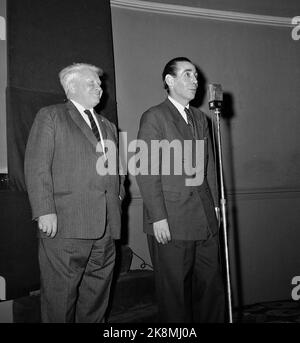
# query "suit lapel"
(179, 122)
(102, 125)
(199, 127)
(80, 122)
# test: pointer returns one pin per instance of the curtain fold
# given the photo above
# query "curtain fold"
(42, 38)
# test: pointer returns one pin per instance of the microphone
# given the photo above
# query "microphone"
(215, 99)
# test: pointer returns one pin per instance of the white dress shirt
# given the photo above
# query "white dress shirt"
(81, 110)
(179, 107)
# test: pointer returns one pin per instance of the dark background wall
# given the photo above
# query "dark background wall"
(3, 72)
(42, 38)
(42, 41)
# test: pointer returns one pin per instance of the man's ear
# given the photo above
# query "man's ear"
(72, 87)
(169, 80)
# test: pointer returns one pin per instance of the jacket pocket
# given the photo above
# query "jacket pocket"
(172, 196)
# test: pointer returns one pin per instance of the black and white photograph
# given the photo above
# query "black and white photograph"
(150, 164)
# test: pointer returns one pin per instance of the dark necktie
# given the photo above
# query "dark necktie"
(93, 125)
(190, 120)
(96, 132)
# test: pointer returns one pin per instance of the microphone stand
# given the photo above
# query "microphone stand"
(223, 212)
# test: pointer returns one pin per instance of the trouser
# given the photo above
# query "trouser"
(76, 276)
(188, 280)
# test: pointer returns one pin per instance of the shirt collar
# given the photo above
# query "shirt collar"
(177, 104)
(80, 108)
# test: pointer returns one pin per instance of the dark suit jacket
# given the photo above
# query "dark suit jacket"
(61, 175)
(188, 209)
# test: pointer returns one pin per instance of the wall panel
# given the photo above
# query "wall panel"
(258, 67)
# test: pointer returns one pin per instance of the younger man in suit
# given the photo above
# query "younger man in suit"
(77, 210)
(180, 219)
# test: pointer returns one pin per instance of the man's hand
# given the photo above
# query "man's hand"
(48, 224)
(161, 231)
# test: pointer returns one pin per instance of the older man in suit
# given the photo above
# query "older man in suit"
(180, 216)
(77, 208)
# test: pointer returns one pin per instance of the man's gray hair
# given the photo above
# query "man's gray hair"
(73, 71)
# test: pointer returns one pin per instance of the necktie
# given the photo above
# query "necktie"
(93, 125)
(190, 120)
(96, 132)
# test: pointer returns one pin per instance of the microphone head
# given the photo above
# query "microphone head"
(215, 97)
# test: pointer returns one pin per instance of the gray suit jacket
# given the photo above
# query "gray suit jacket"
(61, 175)
(189, 209)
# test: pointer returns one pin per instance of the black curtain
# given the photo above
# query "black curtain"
(42, 38)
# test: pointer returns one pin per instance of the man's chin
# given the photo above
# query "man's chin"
(96, 102)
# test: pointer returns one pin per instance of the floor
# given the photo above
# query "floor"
(284, 311)
(26, 310)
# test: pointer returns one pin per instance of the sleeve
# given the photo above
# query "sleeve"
(38, 164)
(150, 185)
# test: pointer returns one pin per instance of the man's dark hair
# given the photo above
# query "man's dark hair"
(171, 68)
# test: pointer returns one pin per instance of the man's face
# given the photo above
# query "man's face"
(183, 86)
(86, 89)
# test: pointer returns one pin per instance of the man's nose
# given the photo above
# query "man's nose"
(194, 80)
(98, 89)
